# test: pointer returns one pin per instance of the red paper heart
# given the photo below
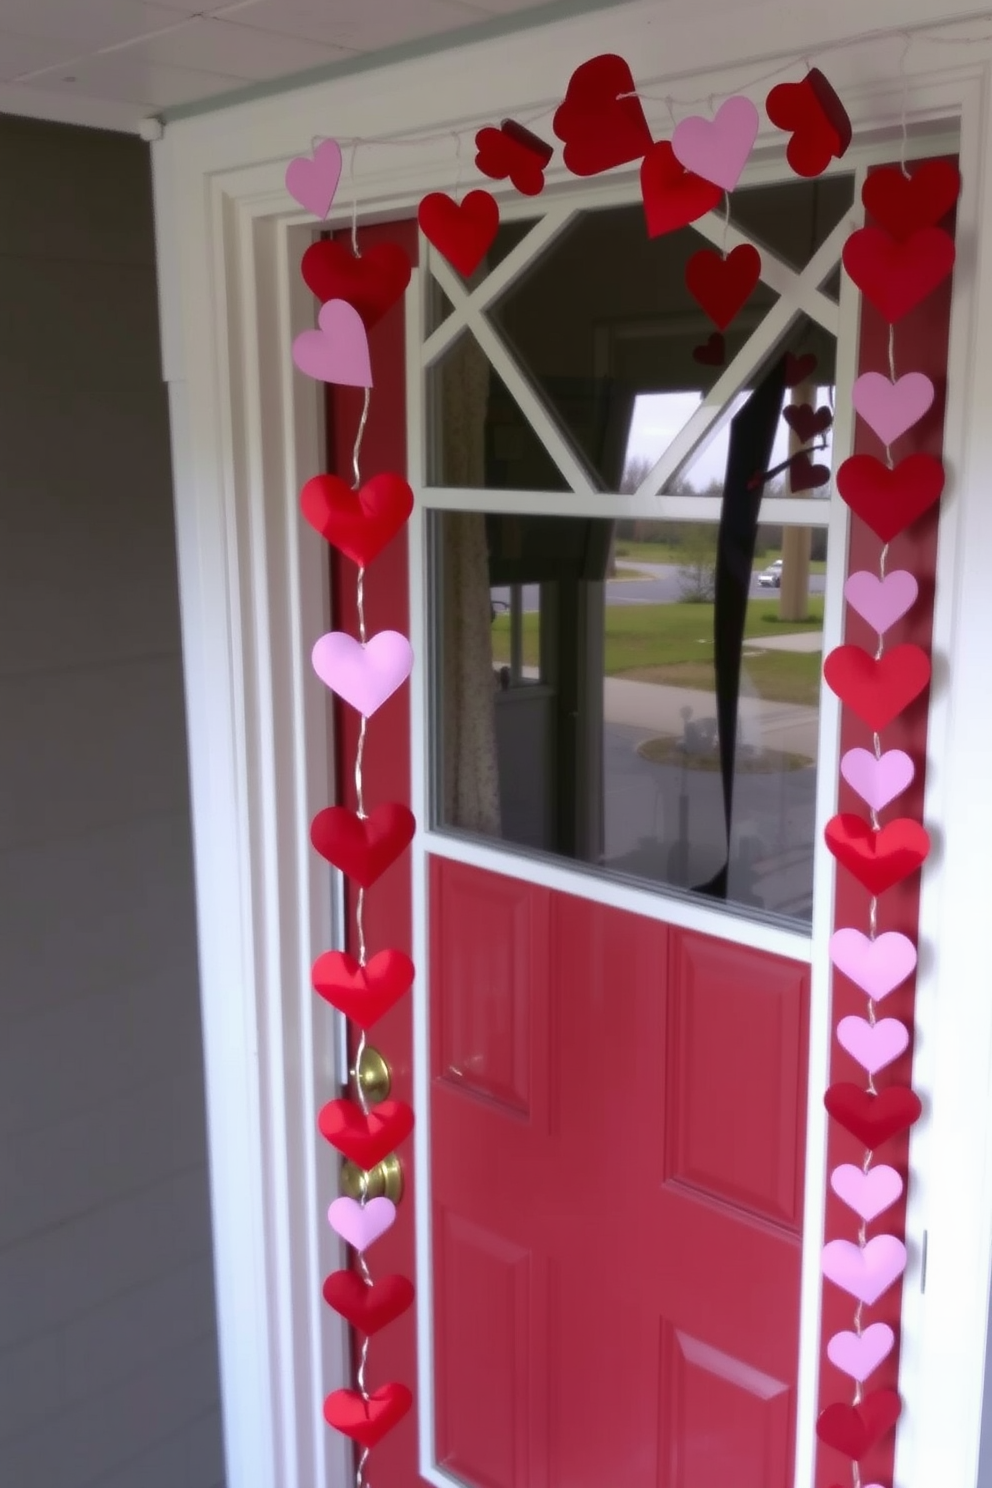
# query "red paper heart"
(365, 1140)
(359, 523)
(873, 1119)
(673, 196)
(799, 368)
(712, 353)
(818, 121)
(890, 500)
(463, 232)
(878, 859)
(367, 1308)
(362, 993)
(877, 689)
(903, 204)
(372, 283)
(363, 849)
(512, 152)
(854, 1429)
(599, 127)
(895, 275)
(806, 422)
(721, 285)
(805, 476)
(367, 1421)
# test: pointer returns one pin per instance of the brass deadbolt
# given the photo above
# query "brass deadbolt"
(384, 1181)
(373, 1076)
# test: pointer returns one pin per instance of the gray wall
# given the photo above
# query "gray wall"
(108, 1358)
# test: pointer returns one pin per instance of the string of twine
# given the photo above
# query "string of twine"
(785, 63)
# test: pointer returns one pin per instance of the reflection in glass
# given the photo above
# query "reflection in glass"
(590, 728)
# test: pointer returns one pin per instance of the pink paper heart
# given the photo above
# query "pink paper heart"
(890, 408)
(717, 149)
(868, 1194)
(361, 1224)
(859, 1355)
(873, 1045)
(312, 181)
(876, 966)
(365, 676)
(865, 1272)
(877, 781)
(881, 601)
(339, 350)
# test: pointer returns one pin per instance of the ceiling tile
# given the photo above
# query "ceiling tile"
(88, 25)
(24, 54)
(359, 25)
(127, 77)
(235, 51)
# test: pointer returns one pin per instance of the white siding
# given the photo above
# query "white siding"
(108, 1359)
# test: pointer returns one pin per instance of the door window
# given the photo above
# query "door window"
(634, 685)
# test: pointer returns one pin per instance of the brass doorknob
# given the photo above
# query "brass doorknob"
(373, 1076)
(384, 1181)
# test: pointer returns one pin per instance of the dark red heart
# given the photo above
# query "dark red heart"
(722, 285)
(673, 196)
(854, 1429)
(367, 1421)
(890, 500)
(368, 1307)
(816, 118)
(363, 848)
(878, 859)
(805, 476)
(877, 689)
(806, 422)
(512, 152)
(903, 204)
(463, 232)
(359, 523)
(895, 275)
(365, 1140)
(372, 283)
(712, 353)
(599, 127)
(799, 368)
(873, 1119)
(362, 993)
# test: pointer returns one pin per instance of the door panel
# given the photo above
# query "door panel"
(616, 1191)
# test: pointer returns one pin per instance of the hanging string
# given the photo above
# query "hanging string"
(903, 122)
(726, 223)
(354, 202)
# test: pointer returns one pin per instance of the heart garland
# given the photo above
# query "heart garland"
(895, 262)
(356, 291)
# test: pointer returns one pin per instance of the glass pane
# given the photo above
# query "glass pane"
(604, 746)
(602, 319)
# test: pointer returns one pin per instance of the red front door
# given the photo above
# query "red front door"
(617, 1142)
(617, 1118)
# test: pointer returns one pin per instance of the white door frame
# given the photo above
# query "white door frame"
(247, 433)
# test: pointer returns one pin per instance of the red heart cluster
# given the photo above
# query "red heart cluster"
(363, 993)
(368, 1306)
(601, 122)
(855, 1429)
(722, 285)
(873, 1119)
(462, 232)
(817, 120)
(877, 689)
(673, 196)
(365, 1139)
(367, 1420)
(358, 523)
(363, 847)
(513, 152)
(372, 283)
(878, 858)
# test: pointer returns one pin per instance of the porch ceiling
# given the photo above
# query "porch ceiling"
(116, 63)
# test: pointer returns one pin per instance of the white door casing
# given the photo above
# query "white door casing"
(247, 433)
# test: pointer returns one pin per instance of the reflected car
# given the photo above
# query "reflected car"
(771, 577)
